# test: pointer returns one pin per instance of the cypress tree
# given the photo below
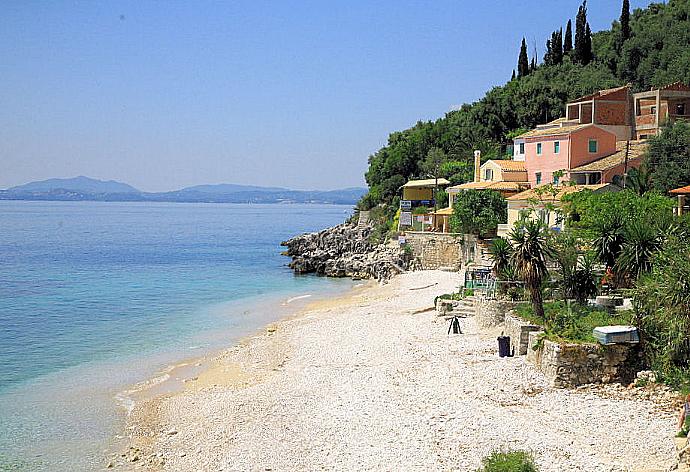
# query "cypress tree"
(583, 36)
(588, 55)
(557, 46)
(548, 55)
(568, 40)
(533, 65)
(625, 20)
(513, 76)
(523, 61)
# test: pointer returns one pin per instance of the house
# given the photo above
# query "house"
(519, 149)
(628, 155)
(561, 145)
(507, 177)
(657, 106)
(683, 200)
(610, 109)
(544, 202)
(421, 192)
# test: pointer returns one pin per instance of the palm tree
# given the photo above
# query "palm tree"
(642, 241)
(500, 251)
(530, 251)
(608, 239)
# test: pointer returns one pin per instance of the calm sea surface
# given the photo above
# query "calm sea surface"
(97, 296)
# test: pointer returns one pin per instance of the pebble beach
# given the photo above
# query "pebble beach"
(372, 381)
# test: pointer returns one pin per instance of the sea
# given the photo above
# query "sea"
(98, 296)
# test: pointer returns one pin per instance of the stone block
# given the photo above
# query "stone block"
(518, 330)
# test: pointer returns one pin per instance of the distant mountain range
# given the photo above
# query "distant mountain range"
(86, 189)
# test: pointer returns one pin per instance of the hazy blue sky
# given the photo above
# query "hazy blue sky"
(167, 94)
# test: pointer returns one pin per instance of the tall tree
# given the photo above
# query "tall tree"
(533, 64)
(512, 77)
(568, 40)
(557, 46)
(625, 20)
(529, 256)
(583, 36)
(523, 60)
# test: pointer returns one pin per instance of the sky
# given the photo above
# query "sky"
(298, 94)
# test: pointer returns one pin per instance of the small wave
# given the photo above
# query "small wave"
(290, 300)
(126, 401)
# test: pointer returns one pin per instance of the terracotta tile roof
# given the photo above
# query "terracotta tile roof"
(674, 86)
(498, 186)
(561, 191)
(637, 149)
(555, 131)
(425, 183)
(681, 191)
(510, 165)
(599, 94)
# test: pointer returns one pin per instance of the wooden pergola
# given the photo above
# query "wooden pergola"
(683, 202)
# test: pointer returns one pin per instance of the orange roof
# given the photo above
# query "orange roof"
(637, 149)
(498, 186)
(560, 191)
(599, 94)
(681, 191)
(510, 165)
(555, 131)
(674, 86)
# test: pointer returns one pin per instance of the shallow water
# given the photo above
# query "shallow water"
(97, 296)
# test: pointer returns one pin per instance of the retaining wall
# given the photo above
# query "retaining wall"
(570, 364)
(435, 250)
(518, 330)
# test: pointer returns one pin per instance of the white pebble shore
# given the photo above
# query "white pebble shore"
(372, 385)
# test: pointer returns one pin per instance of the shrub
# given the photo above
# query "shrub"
(508, 461)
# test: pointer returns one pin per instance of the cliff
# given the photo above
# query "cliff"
(345, 251)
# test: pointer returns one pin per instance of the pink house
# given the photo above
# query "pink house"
(563, 145)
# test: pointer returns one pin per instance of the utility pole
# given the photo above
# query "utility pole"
(625, 165)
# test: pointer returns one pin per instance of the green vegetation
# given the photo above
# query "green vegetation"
(648, 47)
(668, 159)
(508, 461)
(662, 305)
(572, 322)
(530, 253)
(478, 212)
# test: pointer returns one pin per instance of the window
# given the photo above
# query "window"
(556, 147)
(653, 112)
(593, 146)
(522, 148)
(488, 174)
(680, 109)
(538, 148)
(556, 180)
(538, 177)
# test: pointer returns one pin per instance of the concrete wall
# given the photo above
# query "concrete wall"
(490, 313)
(570, 364)
(519, 331)
(433, 250)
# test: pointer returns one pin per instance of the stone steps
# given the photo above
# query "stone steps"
(363, 219)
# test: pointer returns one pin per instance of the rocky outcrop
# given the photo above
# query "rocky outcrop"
(345, 251)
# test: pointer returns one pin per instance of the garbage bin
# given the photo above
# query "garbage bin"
(503, 346)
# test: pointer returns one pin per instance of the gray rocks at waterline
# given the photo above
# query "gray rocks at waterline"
(345, 251)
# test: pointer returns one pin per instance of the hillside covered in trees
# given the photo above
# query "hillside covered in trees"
(646, 47)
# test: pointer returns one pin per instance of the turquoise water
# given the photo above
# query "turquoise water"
(96, 296)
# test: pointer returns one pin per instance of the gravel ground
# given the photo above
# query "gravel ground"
(368, 384)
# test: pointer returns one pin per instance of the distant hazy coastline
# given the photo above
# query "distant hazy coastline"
(87, 189)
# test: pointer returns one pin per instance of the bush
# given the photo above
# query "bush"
(478, 212)
(509, 461)
(572, 323)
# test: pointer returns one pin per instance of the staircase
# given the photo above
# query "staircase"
(484, 258)
(363, 220)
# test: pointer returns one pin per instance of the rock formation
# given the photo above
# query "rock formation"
(345, 251)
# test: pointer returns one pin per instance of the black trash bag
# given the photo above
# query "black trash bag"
(454, 326)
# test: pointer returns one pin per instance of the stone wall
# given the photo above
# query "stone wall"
(518, 330)
(434, 250)
(490, 313)
(570, 364)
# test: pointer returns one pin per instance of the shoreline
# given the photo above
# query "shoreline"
(371, 380)
(203, 371)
